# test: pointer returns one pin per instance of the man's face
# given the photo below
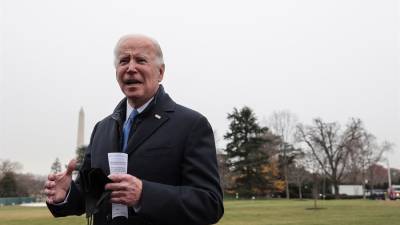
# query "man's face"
(138, 70)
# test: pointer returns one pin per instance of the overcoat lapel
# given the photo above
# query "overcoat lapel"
(147, 127)
(151, 120)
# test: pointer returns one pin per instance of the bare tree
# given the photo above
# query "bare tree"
(9, 166)
(30, 184)
(298, 173)
(283, 123)
(377, 175)
(330, 147)
(314, 168)
(365, 153)
(25, 184)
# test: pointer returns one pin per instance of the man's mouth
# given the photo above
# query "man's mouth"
(131, 81)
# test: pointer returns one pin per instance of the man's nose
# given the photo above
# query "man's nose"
(131, 66)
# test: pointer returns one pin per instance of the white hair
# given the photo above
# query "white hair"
(156, 45)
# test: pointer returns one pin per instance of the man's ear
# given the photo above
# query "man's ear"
(161, 72)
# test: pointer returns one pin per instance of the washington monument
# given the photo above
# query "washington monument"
(81, 129)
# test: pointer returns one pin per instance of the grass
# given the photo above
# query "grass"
(257, 212)
(295, 212)
(17, 215)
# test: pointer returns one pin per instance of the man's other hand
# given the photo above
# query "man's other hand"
(126, 189)
(58, 184)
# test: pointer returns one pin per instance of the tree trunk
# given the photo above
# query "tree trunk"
(336, 188)
(364, 185)
(315, 190)
(286, 182)
(324, 187)
(285, 171)
(364, 191)
(300, 192)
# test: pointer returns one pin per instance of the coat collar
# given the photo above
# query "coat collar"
(161, 103)
(153, 117)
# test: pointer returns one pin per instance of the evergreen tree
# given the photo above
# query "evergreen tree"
(56, 166)
(8, 185)
(246, 154)
(80, 154)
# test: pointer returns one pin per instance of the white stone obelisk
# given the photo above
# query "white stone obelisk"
(81, 128)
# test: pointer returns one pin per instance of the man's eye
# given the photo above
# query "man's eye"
(123, 61)
(141, 61)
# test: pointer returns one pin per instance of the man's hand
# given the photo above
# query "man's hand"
(126, 189)
(57, 185)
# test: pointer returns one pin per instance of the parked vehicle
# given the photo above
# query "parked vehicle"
(377, 194)
(394, 192)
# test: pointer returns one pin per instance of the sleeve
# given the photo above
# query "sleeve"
(74, 204)
(199, 199)
(66, 198)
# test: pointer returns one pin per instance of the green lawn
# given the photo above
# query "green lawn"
(258, 212)
(295, 212)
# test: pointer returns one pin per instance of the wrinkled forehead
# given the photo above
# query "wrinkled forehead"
(136, 46)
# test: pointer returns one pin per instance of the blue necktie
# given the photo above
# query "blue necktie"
(127, 128)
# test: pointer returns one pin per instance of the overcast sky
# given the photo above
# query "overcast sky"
(329, 59)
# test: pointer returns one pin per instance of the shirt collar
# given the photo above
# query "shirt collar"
(129, 108)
